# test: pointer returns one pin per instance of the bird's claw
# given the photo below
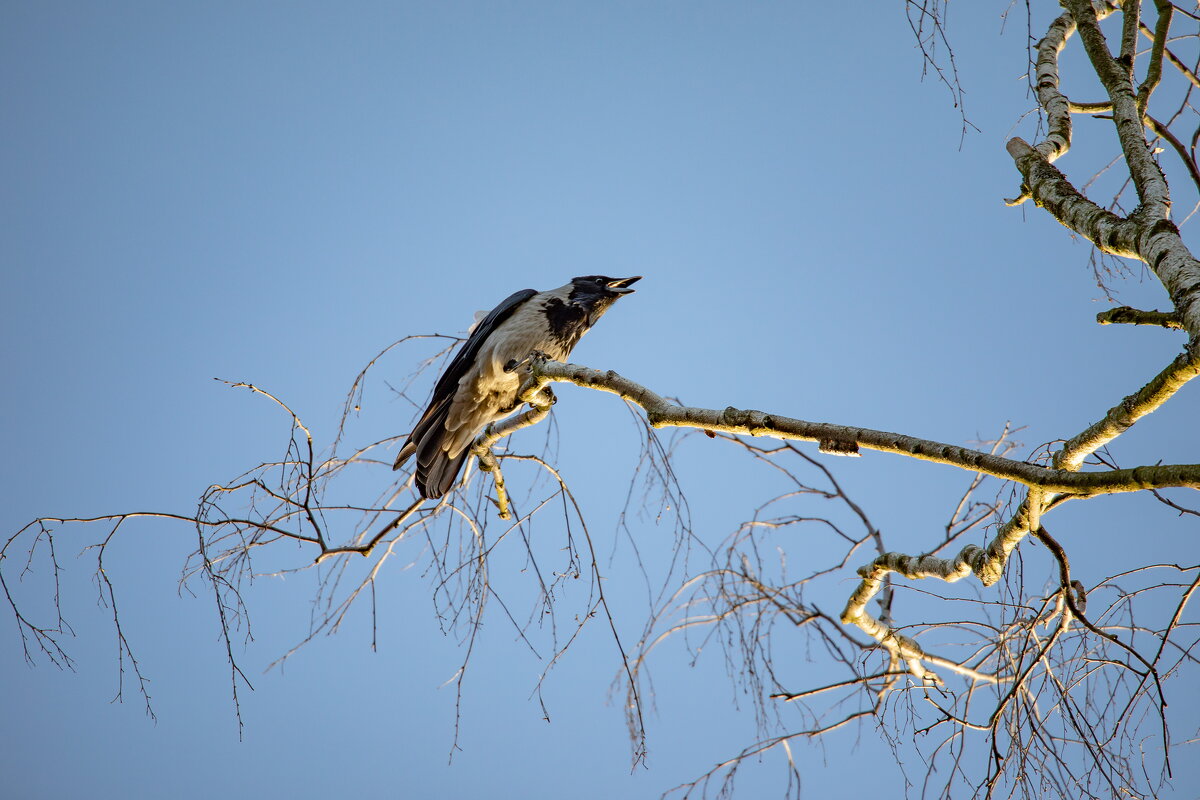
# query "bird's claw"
(534, 355)
(548, 393)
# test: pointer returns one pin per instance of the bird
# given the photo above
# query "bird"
(481, 382)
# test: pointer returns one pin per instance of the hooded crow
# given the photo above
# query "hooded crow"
(479, 387)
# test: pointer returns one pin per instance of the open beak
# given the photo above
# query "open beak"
(621, 285)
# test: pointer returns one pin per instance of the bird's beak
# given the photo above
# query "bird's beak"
(621, 285)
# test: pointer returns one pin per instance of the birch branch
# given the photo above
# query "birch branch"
(1046, 485)
(1158, 45)
(540, 403)
(1147, 235)
(1051, 99)
(1116, 75)
(1158, 244)
(1124, 315)
(988, 563)
(1122, 416)
(664, 414)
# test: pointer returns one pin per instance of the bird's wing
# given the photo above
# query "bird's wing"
(447, 385)
(436, 471)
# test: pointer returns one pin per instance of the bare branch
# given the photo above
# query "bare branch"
(662, 413)
(1124, 315)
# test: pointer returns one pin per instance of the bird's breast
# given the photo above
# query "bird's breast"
(491, 388)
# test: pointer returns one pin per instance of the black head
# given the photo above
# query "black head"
(595, 293)
(594, 287)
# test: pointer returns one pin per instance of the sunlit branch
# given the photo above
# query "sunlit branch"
(988, 563)
(1122, 416)
(1116, 74)
(540, 404)
(1124, 315)
(1147, 235)
(662, 414)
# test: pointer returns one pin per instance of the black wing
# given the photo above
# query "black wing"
(447, 385)
(427, 434)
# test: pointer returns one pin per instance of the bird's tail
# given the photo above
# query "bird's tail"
(406, 452)
(436, 470)
(431, 425)
(438, 474)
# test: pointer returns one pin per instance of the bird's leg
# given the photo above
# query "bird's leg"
(545, 398)
(534, 355)
(547, 394)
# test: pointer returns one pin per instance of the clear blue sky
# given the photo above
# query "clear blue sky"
(273, 192)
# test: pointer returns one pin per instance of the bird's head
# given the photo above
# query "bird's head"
(595, 293)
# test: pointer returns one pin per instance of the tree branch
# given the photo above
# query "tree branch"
(1159, 44)
(1116, 75)
(664, 414)
(1137, 405)
(1158, 244)
(1124, 315)
(1147, 235)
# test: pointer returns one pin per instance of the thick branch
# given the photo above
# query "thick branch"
(1131, 17)
(1055, 103)
(1124, 315)
(1137, 405)
(988, 563)
(663, 414)
(1148, 235)
(1051, 190)
(1157, 243)
(1116, 74)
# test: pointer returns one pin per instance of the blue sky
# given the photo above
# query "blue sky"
(273, 192)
